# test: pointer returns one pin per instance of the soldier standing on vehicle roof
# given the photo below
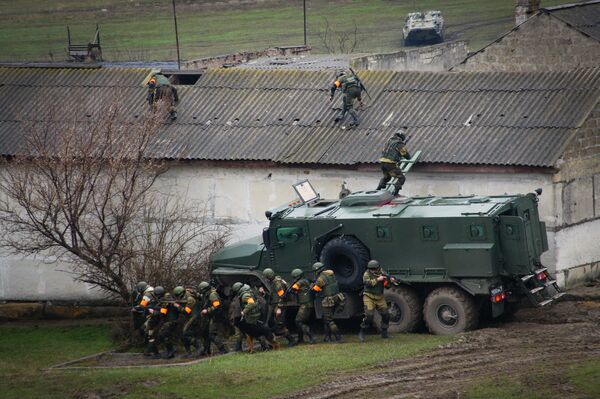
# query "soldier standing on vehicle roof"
(393, 152)
(159, 88)
(326, 286)
(251, 322)
(301, 287)
(351, 89)
(373, 299)
(277, 289)
(190, 308)
(212, 313)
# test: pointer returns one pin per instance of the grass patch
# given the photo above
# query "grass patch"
(143, 30)
(24, 352)
(586, 377)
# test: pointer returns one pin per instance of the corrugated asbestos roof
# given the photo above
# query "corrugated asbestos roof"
(584, 17)
(284, 116)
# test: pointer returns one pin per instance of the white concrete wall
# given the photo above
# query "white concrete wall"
(241, 195)
(578, 253)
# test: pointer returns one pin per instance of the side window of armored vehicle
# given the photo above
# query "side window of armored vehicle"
(289, 234)
(383, 233)
(429, 232)
(477, 232)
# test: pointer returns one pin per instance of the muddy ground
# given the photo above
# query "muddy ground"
(553, 338)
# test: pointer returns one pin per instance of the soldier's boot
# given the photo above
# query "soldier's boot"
(361, 335)
(384, 333)
(273, 342)
(300, 337)
(188, 350)
(250, 344)
(382, 183)
(354, 115)
(238, 346)
(311, 338)
(338, 338)
(170, 353)
(222, 349)
(291, 340)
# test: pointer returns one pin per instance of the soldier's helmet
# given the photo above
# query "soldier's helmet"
(269, 273)
(318, 266)
(235, 288)
(159, 291)
(400, 134)
(141, 286)
(203, 286)
(178, 291)
(297, 273)
(340, 73)
(373, 264)
(244, 288)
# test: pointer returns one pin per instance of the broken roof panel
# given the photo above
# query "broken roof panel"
(284, 116)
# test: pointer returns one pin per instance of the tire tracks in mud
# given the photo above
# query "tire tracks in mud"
(512, 350)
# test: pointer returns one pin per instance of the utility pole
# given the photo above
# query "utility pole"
(304, 3)
(176, 37)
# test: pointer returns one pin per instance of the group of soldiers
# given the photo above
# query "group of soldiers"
(200, 317)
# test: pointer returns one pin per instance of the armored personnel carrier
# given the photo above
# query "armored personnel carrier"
(423, 28)
(455, 257)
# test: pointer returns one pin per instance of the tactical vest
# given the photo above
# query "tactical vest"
(304, 295)
(251, 312)
(377, 289)
(348, 82)
(331, 288)
(390, 150)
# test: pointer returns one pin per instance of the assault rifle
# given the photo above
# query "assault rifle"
(362, 86)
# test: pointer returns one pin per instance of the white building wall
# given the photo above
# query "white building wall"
(240, 195)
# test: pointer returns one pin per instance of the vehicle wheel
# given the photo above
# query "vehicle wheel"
(348, 258)
(405, 308)
(449, 310)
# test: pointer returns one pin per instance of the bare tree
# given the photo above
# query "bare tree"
(83, 192)
(340, 41)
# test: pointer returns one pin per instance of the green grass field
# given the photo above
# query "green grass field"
(143, 29)
(26, 351)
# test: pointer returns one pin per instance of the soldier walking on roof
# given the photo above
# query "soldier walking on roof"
(327, 287)
(159, 88)
(393, 152)
(351, 89)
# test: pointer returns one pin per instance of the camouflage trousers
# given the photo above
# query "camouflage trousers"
(166, 333)
(330, 305)
(191, 332)
(151, 329)
(375, 303)
(348, 99)
(302, 318)
(279, 327)
(391, 170)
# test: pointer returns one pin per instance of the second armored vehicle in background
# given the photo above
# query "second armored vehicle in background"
(423, 28)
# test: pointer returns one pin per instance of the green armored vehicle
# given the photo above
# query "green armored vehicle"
(456, 257)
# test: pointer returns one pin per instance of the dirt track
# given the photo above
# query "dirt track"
(563, 334)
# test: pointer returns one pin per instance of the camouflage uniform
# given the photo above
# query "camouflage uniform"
(169, 314)
(305, 300)
(235, 314)
(159, 88)
(277, 289)
(351, 90)
(214, 320)
(138, 313)
(327, 287)
(150, 303)
(251, 322)
(392, 154)
(191, 329)
(374, 300)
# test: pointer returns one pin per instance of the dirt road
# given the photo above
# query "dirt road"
(554, 337)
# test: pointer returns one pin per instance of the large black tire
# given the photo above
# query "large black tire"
(348, 258)
(405, 309)
(449, 310)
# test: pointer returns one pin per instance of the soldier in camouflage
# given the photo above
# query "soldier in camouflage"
(251, 322)
(351, 89)
(190, 309)
(235, 315)
(301, 286)
(159, 88)
(151, 303)
(138, 313)
(375, 282)
(393, 152)
(169, 314)
(326, 286)
(277, 290)
(212, 312)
